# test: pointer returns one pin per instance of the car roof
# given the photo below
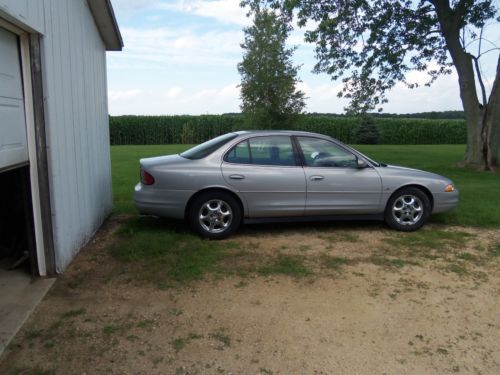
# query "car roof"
(277, 132)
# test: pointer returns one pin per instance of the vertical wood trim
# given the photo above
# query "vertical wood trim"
(41, 152)
(33, 164)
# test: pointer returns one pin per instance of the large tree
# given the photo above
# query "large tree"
(373, 44)
(269, 95)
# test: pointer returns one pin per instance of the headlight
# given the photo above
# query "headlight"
(449, 188)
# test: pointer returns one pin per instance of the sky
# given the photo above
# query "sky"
(181, 56)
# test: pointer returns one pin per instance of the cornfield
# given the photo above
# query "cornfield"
(144, 130)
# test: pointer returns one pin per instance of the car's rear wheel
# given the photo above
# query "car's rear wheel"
(215, 215)
(408, 209)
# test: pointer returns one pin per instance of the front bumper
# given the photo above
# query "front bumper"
(444, 202)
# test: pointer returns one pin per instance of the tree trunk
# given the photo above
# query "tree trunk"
(492, 124)
(483, 121)
(474, 152)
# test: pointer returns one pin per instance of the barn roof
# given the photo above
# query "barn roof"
(104, 17)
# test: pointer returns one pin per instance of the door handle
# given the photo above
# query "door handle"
(317, 178)
(236, 177)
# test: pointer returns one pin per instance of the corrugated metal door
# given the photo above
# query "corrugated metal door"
(13, 142)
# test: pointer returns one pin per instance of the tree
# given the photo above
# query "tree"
(366, 133)
(269, 95)
(373, 44)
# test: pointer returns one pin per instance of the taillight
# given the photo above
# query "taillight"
(147, 178)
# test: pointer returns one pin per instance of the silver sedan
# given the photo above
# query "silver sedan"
(270, 176)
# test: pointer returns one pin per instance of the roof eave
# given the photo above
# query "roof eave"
(105, 20)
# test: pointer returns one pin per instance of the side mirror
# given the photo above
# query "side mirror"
(360, 163)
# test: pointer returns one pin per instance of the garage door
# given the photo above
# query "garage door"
(13, 143)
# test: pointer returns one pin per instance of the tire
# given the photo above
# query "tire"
(215, 215)
(407, 209)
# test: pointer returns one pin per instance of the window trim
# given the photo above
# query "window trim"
(295, 150)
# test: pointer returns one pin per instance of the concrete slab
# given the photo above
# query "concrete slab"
(19, 295)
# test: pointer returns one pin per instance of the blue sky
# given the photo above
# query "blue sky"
(180, 57)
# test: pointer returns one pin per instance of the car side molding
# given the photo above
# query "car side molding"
(301, 219)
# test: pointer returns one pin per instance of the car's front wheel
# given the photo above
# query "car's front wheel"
(408, 209)
(215, 215)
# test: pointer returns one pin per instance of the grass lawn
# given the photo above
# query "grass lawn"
(479, 191)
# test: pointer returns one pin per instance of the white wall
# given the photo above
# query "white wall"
(25, 13)
(76, 111)
(74, 63)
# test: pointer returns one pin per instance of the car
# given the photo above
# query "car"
(273, 176)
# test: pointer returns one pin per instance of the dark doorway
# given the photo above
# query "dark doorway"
(17, 239)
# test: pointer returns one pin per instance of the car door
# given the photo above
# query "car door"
(267, 172)
(335, 184)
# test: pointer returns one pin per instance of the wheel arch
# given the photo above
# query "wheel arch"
(424, 189)
(214, 189)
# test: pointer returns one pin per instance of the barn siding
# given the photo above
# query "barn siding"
(27, 12)
(77, 121)
(76, 110)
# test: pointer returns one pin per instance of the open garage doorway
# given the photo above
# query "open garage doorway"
(17, 239)
(20, 287)
(22, 256)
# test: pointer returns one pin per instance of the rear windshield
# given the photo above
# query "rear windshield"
(205, 149)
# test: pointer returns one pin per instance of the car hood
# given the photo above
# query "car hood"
(410, 172)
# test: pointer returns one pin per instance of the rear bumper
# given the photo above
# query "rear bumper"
(444, 202)
(160, 202)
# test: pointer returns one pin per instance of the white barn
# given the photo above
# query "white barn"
(55, 170)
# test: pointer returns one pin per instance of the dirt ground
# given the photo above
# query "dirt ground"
(374, 304)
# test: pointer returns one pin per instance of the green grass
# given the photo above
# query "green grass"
(430, 239)
(286, 265)
(495, 252)
(334, 263)
(479, 197)
(180, 342)
(125, 170)
(164, 253)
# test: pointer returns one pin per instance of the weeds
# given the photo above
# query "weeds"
(73, 313)
(180, 342)
(286, 265)
(334, 263)
(221, 336)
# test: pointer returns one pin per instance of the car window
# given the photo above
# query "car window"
(323, 153)
(239, 154)
(269, 150)
(205, 149)
(272, 150)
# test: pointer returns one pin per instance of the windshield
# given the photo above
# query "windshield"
(206, 148)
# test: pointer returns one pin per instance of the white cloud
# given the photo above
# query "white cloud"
(129, 7)
(231, 90)
(175, 100)
(174, 92)
(186, 46)
(224, 11)
(442, 95)
(118, 95)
